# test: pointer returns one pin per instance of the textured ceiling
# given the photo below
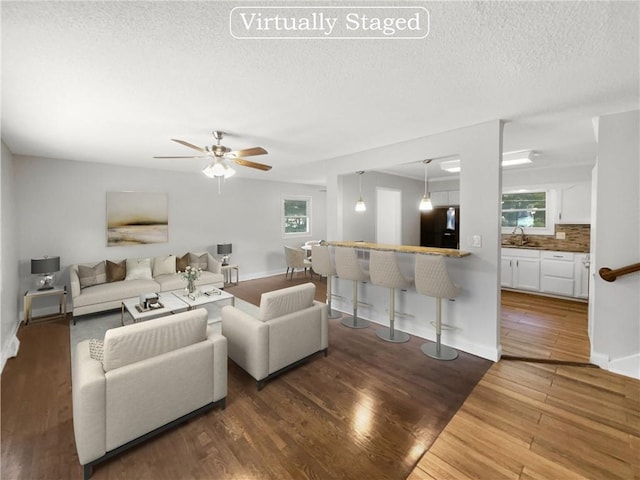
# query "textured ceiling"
(112, 82)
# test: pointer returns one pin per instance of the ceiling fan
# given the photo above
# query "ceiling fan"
(221, 155)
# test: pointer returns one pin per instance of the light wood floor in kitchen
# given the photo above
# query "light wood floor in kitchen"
(531, 420)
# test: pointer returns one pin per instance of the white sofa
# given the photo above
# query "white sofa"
(290, 327)
(161, 278)
(153, 375)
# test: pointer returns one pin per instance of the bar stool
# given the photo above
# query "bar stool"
(385, 272)
(348, 267)
(432, 279)
(322, 264)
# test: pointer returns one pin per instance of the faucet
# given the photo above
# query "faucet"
(522, 237)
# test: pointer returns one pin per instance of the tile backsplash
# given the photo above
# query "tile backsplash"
(577, 239)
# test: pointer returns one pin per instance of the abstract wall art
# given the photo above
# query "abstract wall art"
(136, 218)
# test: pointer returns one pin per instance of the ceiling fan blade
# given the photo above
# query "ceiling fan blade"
(190, 156)
(247, 163)
(248, 152)
(190, 145)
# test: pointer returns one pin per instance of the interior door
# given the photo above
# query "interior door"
(388, 216)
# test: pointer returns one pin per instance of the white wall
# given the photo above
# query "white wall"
(9, 319)
(362, 225)
(62, 205)
(615, 343)
(477, 309)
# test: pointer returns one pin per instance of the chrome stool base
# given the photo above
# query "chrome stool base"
(438, 351)
(393, 336)
(333, 314)
(357, 323)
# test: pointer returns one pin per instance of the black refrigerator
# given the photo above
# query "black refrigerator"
(440, 227)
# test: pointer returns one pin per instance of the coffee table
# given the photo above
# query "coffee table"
(204, 294)
(170, 304)
(177, 301)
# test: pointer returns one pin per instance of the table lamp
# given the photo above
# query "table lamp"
(46, 267)
(224, 249)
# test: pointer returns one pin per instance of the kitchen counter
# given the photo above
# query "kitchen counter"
(447, 252)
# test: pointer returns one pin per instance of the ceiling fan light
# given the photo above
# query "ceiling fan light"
(217, 169)
(228, 172)
(208, 171)
(425, 204)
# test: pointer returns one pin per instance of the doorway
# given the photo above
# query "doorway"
(388, 216)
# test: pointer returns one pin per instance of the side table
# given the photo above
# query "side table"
(227, 271)
(30, 294)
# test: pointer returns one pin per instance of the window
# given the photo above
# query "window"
(296, 216)
(524, 209)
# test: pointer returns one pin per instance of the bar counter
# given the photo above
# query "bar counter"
(414, 312)
(447, 252)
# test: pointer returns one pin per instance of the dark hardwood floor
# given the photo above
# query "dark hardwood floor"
(370, 409)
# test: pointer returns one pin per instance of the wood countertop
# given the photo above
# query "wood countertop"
(448, 252)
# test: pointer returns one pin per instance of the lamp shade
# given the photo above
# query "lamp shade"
(45, 265)
(224, 248)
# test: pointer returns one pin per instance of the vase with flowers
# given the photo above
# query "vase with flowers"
(191, 274)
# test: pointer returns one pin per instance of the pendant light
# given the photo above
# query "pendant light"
(425, 203)
(360, 206)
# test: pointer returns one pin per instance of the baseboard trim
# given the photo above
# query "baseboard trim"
(628, 366)
(11, 348)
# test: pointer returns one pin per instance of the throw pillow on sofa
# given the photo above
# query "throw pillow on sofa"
(198, 261)
(182, 262)
(138, 269)
(96, 349)
(164, 265)
(116, 272)
(90, 276)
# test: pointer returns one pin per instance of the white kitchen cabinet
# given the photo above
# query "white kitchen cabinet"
(574, 203)
(582, 265)
(454, 197)
(557, 273)
(520, 269)
(444, 199)
(439, 199)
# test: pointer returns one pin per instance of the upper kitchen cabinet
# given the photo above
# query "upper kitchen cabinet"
(445, 199)
(574, 203)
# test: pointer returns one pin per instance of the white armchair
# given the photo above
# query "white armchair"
(153, 375)
(291, 327)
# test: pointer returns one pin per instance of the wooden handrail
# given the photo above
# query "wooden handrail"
(610, 275)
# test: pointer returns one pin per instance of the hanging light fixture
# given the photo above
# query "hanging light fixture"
(425, 203)
(218, 169)
(360, 206)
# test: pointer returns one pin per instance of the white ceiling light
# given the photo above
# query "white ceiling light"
(509, 159)
(520, 157)
(452, 166)
(218, 169)
(360, 206)
(425, 203)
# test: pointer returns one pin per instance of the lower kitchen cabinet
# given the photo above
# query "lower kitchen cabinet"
(521, 269)
(557, 273)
